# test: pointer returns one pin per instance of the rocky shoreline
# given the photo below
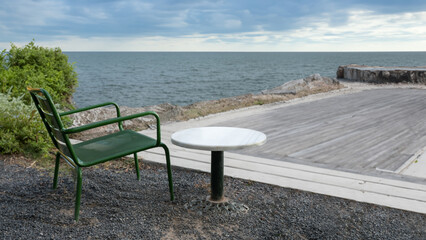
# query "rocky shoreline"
(168, 113)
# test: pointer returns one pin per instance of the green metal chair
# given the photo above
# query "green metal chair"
(97, 150)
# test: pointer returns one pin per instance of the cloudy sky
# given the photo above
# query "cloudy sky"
(208, 25)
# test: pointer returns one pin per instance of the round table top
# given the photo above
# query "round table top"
(218, 138)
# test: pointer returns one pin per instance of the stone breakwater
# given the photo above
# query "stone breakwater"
(375, 74)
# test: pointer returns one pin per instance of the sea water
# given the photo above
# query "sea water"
(138, 79)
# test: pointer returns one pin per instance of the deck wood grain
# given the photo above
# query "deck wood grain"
(365, 131)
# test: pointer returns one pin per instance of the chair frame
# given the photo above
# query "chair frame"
(65, 150)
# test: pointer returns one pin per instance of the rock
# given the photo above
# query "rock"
(310, 83)
(340, 72)
(166, 111)
(376, 74)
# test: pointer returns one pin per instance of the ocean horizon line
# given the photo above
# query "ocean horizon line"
(106, 51)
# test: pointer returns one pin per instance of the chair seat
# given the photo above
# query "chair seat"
(112, 146)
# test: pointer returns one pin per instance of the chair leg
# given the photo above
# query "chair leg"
(137, 166)
(169, 171)
(78, 194)
(55, 177)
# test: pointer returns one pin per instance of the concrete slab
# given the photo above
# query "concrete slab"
(416, 166)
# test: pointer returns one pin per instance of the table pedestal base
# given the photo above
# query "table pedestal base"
(222, 200)
(202, 205)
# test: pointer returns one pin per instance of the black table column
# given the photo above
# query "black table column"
(217, 177)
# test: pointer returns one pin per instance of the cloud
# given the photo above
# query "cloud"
(367, 26)
(235, 25)
(32, 13)
(96, 13)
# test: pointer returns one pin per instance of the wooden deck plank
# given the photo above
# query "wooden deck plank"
(378, 128)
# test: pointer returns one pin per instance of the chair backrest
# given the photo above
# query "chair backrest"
(51, 119)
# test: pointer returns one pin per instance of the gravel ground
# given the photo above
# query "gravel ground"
(117, 206)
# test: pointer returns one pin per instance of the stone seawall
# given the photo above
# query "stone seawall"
(379, 75)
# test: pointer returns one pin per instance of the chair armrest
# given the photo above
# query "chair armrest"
(114, 120)
(120, 126)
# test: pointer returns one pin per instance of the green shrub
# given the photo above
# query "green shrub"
(37, 67)
(21, 130)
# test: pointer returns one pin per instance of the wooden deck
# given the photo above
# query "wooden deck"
(331, 146)
(363, 132)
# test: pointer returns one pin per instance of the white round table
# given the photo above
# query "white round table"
(217, 140)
